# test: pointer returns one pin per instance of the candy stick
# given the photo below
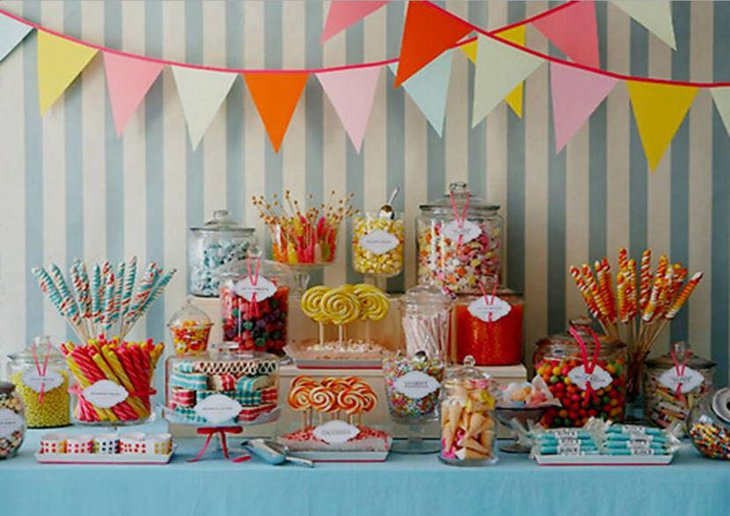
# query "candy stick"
(108, 312)
(96, 297)
(131, 274)
(646, 279)
(119, 286)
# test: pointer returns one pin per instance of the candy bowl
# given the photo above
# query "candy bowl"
(709, 424)
(190, 329)
(524, 416)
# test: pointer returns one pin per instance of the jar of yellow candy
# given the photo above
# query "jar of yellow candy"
(41, 380)
(377, 245)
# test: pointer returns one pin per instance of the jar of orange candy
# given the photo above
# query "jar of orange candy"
(190, 329)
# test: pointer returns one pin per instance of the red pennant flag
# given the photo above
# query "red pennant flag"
(428, 32)
(573, 31)
(344, 13)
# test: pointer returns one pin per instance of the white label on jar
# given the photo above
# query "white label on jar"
(10, 422)
(105, 394)
(335, 431)
(218, 408)
(690, 379)
(469, 231)
(36, 381)
(599, 378)
(263, 289)
(416, 385)
(379, 241)
(496, 308)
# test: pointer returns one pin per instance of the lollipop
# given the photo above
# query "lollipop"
(323, 400)
(374, 304)
(341, 306)
(311, 303)
(351, 401)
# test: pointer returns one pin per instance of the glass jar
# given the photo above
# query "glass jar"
(709, 424)
(459, 241)
(40, 377)
(190, 329)
(217, 242)
(489, 328)
(222, 387)
(673, 383)
(594, 386)
(377, 245)
(426, 318)
(12, 421)
(468, 426)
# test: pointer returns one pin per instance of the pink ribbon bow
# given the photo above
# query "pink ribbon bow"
(460, 218)
(41, 369)
(254, 279)
(588, 367)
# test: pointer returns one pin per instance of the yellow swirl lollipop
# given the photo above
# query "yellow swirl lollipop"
(340, 306)
(311, 303)
(374, 304)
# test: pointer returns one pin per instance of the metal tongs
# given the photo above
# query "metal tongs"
(273, 452)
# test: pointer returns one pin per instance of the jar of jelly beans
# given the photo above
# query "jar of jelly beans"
(709, 424)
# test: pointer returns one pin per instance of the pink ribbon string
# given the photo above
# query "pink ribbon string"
(680, 368)
(588, 367)
(41, 369)
(460, 217)
(254, 279)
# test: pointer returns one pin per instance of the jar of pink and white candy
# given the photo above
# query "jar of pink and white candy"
(459, 241)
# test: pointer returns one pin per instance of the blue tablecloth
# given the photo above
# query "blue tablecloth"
(402, 486)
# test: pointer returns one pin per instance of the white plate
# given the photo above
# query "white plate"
(100, 458)
(603, 460)
(341, 456)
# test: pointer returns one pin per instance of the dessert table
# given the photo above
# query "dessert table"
(402, 485)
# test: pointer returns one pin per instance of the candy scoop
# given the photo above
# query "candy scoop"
(386, 210)
(273, 453)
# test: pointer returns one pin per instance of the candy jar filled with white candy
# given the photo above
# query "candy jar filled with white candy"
(217, 242)
(425, 316)
(12, 421)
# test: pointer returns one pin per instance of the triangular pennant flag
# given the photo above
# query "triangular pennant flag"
(12, 33)
(573, 31)
(201, 94)
(659, 110)
(60, 61)
(128, 80)
(576, 94)
(352, 92)
(343, 13)
(276, 95)
(655, 15)
(721, 96)
(428, 32)
(429, 89)
(499, 69)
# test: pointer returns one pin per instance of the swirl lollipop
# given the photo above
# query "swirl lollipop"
(342, 307)
(299, 399)
(374, 303)
(351, 401)
(311, 303)
(323, 400)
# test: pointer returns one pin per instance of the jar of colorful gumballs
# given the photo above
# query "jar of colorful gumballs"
(214, 244)
(190, 329)
(586, 372)
(459, 241)
(12, 421)
(709, 424)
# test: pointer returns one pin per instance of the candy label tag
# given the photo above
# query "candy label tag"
(263, 289)
(10, 422)
(416, 385)
(379, 241)
(469, 231)
(690, 380)
(599, 378)
(36, 381)
(218, 408)
(105, 394)
(335, 431)
(497, 307)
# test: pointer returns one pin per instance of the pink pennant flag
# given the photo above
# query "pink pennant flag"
(344, 13)
(128, 80)
(576, 94)
(573, 31)
(352, 93)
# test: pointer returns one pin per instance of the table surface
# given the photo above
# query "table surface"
(401, 486)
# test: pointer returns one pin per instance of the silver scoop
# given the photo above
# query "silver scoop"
(386, 210)
(273, 452)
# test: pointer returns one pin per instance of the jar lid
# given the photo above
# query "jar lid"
(427, 295)
(681, 350)
(721, 404)
(189, 313)
(460, 191)
(469, 371)
(581, 324)
(279, 273)
(228, 352)
(26, 354)
(222, 221)
(6, 388)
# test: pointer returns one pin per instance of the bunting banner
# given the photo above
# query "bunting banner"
(276, 96)
(659, 110)
(352, 93)
(654, 15)
(721, 96)
(343, 13)
(128, 81)
(12, 32)
(574, 32)
(201, 94)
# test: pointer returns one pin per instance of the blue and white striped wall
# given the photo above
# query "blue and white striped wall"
(70, 188)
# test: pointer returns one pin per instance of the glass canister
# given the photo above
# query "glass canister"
(214, 244)
(673, 383)
(589, 380)
(377, 244)
(468, 424)
(190, 329)
(709, 424)
(12, 421)
(425, 312)
(489, 328)
(40, 377)
(459, 241)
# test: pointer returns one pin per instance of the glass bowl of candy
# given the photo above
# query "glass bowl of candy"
(709, 424)
(12, 421)
(459, 241)
(190, 329)
(377, 245)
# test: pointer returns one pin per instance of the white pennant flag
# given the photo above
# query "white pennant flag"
(721, 96)
(12, 33)
(654, 15)
(499, 69)
(201, 94)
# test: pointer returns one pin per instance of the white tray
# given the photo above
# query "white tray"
(100, 458)
(318, 363)
(603, 460)
(339, 456)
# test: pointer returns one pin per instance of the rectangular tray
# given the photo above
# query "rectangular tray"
(323, 456)
(338, 364)
(603, 460)
(100, 458)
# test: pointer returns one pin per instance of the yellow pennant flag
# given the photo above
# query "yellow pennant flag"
(659, 110)
(516, 36)
(60, 61)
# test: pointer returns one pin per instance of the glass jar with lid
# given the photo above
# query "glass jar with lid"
(214, 244)
(377, 244)
(425, 317)
(460, 241)
(40, 376)
(589, 379)
(673, 383)
(12, 421)
(190, 329)
(709, 424)
(468, 425)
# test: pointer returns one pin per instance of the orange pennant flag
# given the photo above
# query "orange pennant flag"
(427, 33)
(276, 95)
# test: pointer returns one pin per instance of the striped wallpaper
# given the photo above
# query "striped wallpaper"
(70, 188)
